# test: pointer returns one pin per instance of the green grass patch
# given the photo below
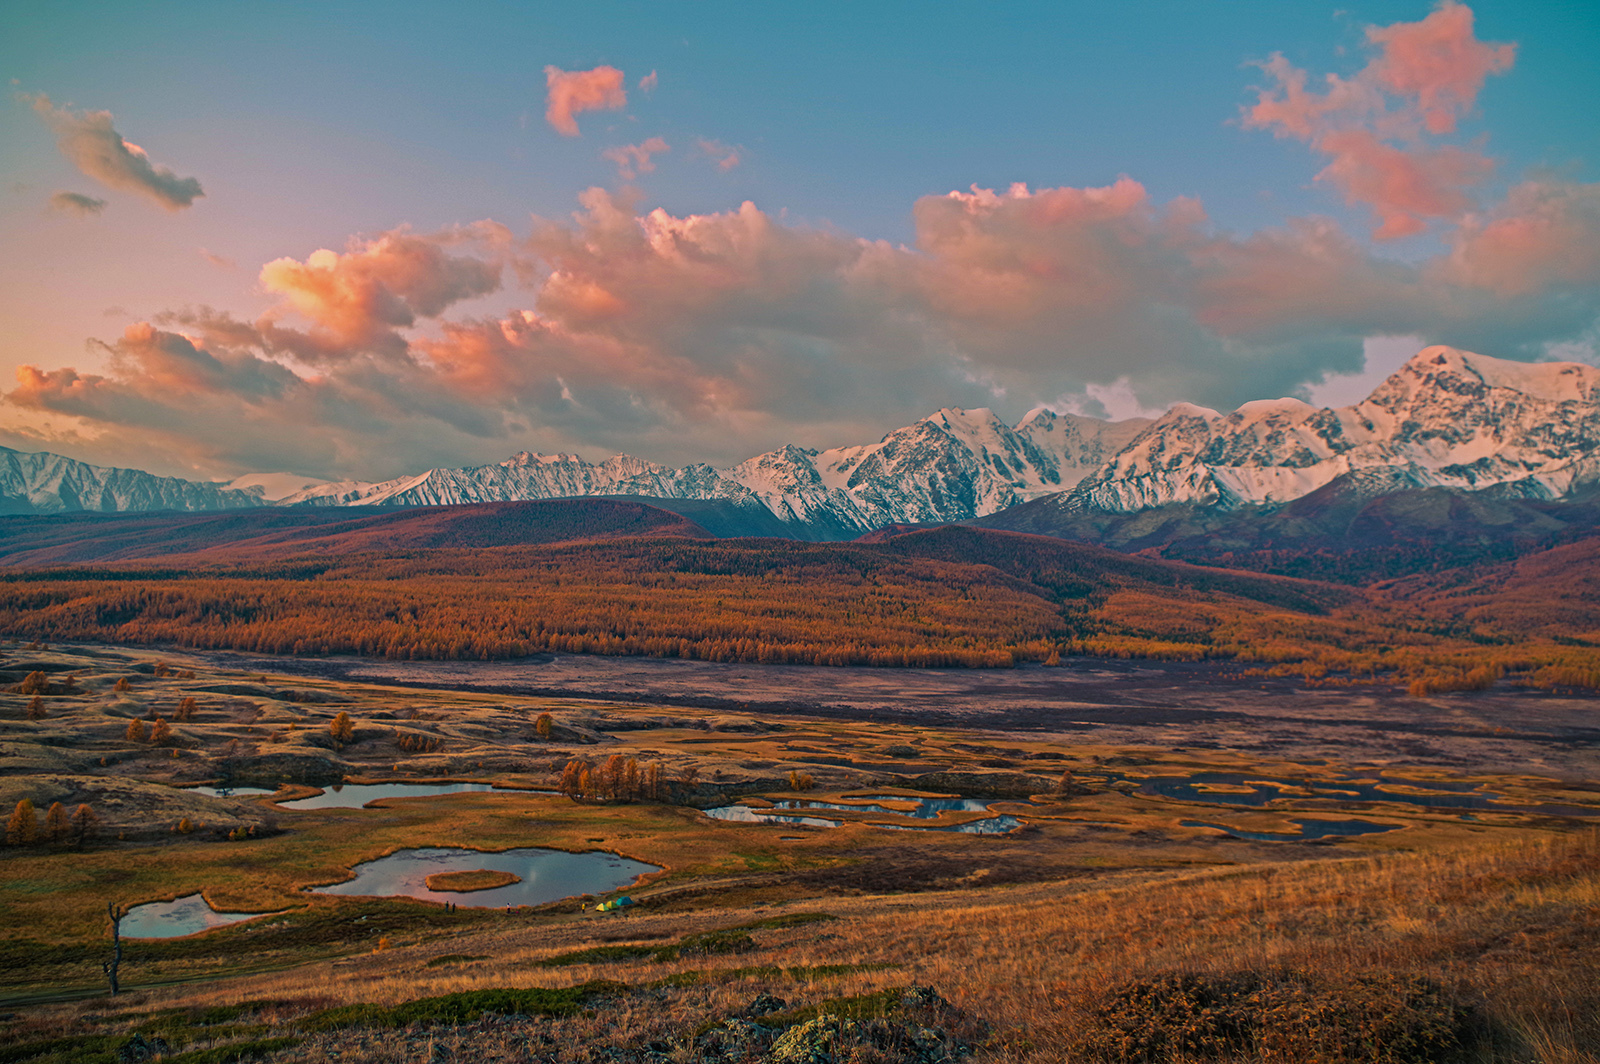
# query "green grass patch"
(600, 955)
(871, 1006)
(727, 975)
(465, 1006)
(230, 1053)
(455, 958)
(72, 1049)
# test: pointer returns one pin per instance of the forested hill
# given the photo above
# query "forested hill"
(950, 596)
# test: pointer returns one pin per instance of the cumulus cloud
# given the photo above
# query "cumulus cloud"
(715, 336)
(725, 157)
(1422, 78)
(92, 144)
(648, 82)
(359, 300)
(572, 91)
(76, 203)
(634, 159)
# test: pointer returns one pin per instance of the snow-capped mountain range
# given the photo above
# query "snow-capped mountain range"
(1447, 418)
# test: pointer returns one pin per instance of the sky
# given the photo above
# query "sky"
(357, 240)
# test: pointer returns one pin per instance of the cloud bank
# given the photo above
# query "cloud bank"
(92, 144)
(715, 336)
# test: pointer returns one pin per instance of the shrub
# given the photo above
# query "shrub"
(1278, 1014)
(121, 685)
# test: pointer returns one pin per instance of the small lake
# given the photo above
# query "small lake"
(923, 809)
(232, 792)
(188, 915)
(1224, 788)
(1309, 830)
(547, 875)
(356, 795)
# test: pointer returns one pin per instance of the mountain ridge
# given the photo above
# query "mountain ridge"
(1447, 419)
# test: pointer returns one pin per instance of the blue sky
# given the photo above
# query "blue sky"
(309, 125)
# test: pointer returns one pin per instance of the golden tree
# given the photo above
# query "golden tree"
(185, 711)
(137, 732)
(121, 685)
(544, 726)
(36, 709)
(35, 683)
(23, 827)
(55, 823)
(84, 823)
(342, 728)
(161, 734)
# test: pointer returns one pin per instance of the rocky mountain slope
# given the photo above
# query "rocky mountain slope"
(954, 465)
(1448, 420)
(50, 483)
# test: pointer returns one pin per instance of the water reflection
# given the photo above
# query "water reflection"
(1250, 790)
(922, 809)
(1309, 830)
(233, 792)
(187, 915)
(547, 875)
(356, 795)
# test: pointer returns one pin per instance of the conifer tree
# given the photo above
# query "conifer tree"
(35, 683)
(544, 726)
(161, 734)
(137, 732)
(185, 711)
(55, 823)
(84, 823)
(23, 827)
(342, 728)
(36, 709)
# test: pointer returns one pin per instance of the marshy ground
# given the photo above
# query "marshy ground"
(1101, 928)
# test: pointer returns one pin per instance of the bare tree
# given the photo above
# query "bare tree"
(116, 912)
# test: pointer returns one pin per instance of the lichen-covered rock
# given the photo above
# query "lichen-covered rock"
(816, 1041)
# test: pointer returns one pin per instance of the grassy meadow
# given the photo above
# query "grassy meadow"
(1101, 929)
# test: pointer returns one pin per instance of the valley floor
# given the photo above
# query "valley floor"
(1119, 920)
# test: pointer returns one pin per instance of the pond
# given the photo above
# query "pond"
(188, 915)
(923, 809)
(546, 875)
(356, 795)
(1225, 788)
(233, 792)
(1309, 830)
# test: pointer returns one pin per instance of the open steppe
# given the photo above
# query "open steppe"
(1104, 926)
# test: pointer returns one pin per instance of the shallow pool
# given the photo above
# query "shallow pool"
(925, 809)
(356, 795)
(547, 875)
(233, 792)
(1309, 830)
(1250, 790)
(187, 915)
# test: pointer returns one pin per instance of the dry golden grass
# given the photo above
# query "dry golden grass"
(1510, 928)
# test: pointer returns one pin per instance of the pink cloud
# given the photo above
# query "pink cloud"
(1545, 236)
(1403, 187)
(92, 144)
(634, 159)
(725, 157)
(359, 298)
(1438, 62)
(1422, 78)
(572, 91)
(648, 82)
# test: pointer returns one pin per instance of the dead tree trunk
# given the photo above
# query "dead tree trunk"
(116, 912)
